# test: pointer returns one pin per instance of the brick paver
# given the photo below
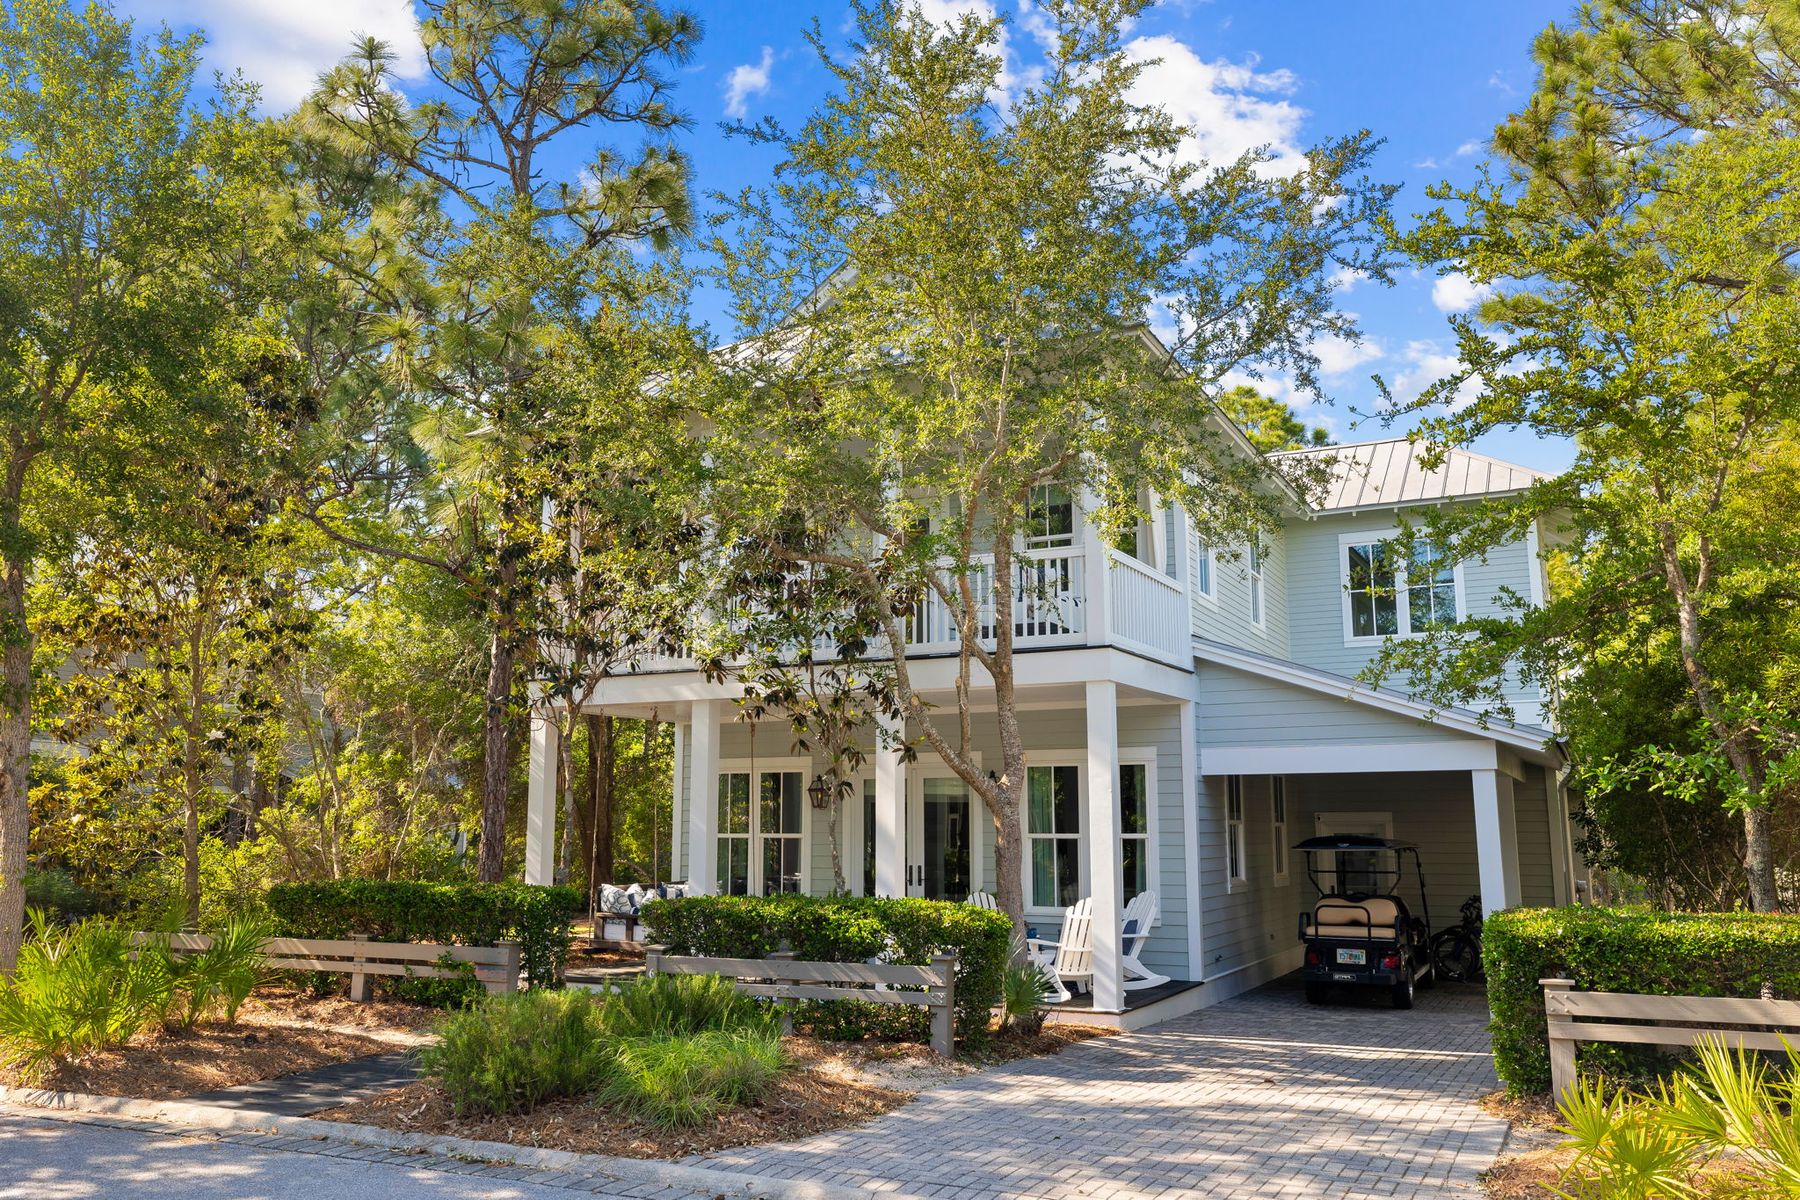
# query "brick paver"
(1260, 1096)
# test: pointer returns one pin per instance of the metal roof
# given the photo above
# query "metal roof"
(1372, 474)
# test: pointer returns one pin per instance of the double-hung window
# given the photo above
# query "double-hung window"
(1203, 570)
(1134, 828)
(760, 842)
(1256, 585)
(1053, 836)
(1386, 595)
(1049, 517)
(1237, 870)
(1278, 826)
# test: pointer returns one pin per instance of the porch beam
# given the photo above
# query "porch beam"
(703, 798)
(540, 800)
(1103, 840)
(1496, 840)
(890, 810)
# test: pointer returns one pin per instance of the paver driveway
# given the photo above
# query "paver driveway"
(1259, 1096)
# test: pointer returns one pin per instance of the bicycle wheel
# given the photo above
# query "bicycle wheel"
(1457, 955)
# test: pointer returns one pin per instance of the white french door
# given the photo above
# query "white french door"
(761, 833)
(940, 839)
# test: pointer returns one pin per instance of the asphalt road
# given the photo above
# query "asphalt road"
(54, 1159)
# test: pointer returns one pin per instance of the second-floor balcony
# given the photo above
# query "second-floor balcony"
(1062, 598)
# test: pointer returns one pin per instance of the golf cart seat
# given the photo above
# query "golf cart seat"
(1374, 917)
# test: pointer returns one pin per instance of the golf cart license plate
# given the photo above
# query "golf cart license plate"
(1353, 958)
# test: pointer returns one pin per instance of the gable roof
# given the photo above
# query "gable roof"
(1388, 472)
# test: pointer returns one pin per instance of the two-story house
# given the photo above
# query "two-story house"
(1191, 713)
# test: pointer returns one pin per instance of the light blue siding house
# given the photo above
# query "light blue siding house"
(1192, 716)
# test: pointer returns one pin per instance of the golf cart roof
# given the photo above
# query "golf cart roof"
(1352, 841)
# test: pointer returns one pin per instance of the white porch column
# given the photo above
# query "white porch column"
(1096, 581)
(1496, 840)
(703, 797)
(540, 800)
(1103, 840)
(677, 803)
(890, 811)
(1190, 828)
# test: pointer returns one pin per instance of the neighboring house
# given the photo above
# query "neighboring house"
(1191, 714)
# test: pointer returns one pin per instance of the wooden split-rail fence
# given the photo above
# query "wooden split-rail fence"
(496, 967)
(786, 980)
(1574, 1017)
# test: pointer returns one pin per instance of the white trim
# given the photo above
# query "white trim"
(1448, 754)
(541, 798)
(1102, 806)
(1190, 820)
(1237, 830)
(1496, 839)
(1256, 575)
(1203, 552)
(785, 764)
(1055, 758)
(1535, 565)
(1145, 757)
(678, 804)
(1402, 609)
(1521, 737)
(1280, 830)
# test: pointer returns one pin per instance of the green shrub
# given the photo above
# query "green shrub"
(661, 1006)
(1025, 992)
(55, 891)
(849, 929)
(465, 914)
(77, 989)
(1618, 950)
(515, 1051)
(675, 1081)
(221, 977)
(458, 989)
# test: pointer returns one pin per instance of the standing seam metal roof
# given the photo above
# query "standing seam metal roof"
(1364, 474)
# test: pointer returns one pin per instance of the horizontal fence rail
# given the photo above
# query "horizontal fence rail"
(1573, 1017)
(785, 979)
(496, 967)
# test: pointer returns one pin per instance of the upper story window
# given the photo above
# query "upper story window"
(1255, 561)
(1049, 517)
(1053, 836)
(1203, 570)
(1385, 595)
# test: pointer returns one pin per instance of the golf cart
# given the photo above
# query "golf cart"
(1361, 933)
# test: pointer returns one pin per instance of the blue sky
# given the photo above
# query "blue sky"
(1432, 78)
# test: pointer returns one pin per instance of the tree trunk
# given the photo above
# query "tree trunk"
(1759, 861)
(15, 759)
(490, 861)
(602, 751)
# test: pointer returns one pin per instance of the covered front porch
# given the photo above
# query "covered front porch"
(1110, 763)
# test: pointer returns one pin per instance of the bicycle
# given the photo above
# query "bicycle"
(1456, 951)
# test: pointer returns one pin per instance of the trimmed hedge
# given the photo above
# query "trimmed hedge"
(1621, 950)
(462, 914)
(849, 929)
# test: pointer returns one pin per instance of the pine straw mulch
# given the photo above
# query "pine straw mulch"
(831, 1086)
(278, 1032)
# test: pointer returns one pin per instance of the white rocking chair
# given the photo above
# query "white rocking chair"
(983, 900)
(1139, 916)
(1069, 959)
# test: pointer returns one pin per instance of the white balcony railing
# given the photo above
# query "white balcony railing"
(1148, 610)
(1048, 605)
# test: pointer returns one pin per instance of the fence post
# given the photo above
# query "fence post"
(511, 957)
(1562, 1049)
(359, 981)
(653, 959)
(943, 1016)
(784, 1006)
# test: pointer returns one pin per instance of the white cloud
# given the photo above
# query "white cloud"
(1343, 279)
(746, 81)
(1340, 356)
(1427, 362)
(1456, 292)
(1473, 146)
(1229, 108)
(284, 44)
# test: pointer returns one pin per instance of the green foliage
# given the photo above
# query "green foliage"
(1025, 992)
(515, 1051)
(468, 914)
(850, 929)
(664, 1006)
(78, 989)
(1729, 1127)
(222, 976)
(1619, 950)
(677, 1081)
(55, 891)
(1267, 422)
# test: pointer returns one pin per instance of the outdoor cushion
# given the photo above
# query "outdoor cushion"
(1375, 910)
(634, 895)
(614, 900)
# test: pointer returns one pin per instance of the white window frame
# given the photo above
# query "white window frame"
(1055, 758)
(1236, 844)
(1281, 852)
(1259, 592)
(1048, 541)
(1402, 609)
(1206, 569)
(771, 766)
(1145, 757)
